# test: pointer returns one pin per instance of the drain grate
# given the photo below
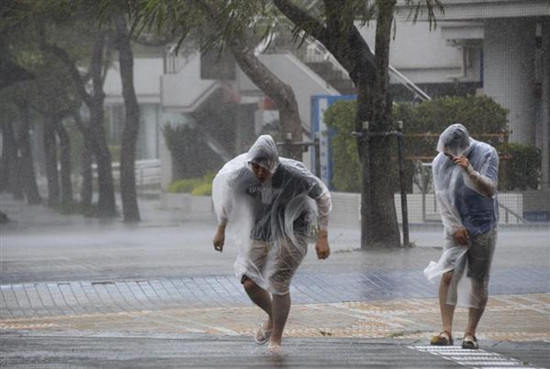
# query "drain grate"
(472, 358)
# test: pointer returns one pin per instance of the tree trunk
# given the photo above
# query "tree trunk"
(370, 75)
(383, 213)
(86, 190)
(362, 119)
(128, 191)
(50, 148)
(27, 164)
(15, 186)
(65, 159)
(106, 206)
(4, 160)
(281, 93)
(106, 192)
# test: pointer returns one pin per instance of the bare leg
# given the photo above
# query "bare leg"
(474, 315)
(281, 308)
(260, 297)
(447, 311)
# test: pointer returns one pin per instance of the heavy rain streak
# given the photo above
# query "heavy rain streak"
(282, 183)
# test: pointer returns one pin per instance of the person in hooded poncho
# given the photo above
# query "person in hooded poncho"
(465, 175)
(272, 206)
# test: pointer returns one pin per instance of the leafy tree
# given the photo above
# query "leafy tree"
(94, 100)
(17, 157)
(237, 26)
(333, 25)
(65, 30)
(64, 27)
(51, 95)
(42, 94)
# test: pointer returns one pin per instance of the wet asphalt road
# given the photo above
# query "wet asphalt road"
(40, 247)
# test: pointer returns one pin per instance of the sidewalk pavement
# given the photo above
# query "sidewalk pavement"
(342, 316)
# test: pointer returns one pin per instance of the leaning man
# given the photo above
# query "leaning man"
(272, 207)
(465, 175)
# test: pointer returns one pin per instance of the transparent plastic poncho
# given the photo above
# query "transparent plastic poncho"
(283, 213)
(448, 177)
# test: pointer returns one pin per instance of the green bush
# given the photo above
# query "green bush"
(347, 172)
(195, 186)
(480, 114)
(115, 153)
(205, 189)
(191, 155)
(183, 185)
(347, 168)
(520, 167)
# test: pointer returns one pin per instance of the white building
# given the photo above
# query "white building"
(504, 45)
(153, 115)
(496, 47)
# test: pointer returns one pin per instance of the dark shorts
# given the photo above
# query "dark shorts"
(480, 255)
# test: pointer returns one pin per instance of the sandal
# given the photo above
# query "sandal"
(442, 339)
(262, 335)
(470, 342)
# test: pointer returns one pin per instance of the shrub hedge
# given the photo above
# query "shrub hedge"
(520, 165)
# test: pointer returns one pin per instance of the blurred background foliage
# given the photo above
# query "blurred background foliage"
(200, 186)
(520, 165)
(191, 156)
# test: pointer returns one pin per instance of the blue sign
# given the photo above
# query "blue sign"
(319, 105)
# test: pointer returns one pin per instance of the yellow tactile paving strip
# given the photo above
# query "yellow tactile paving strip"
(508, 317)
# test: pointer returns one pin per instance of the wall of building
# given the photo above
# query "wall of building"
(185, 90)
(424, 55)
(545, 111)
(509, 72)
(147, 73)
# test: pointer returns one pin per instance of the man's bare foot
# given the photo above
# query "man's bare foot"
(274, 349)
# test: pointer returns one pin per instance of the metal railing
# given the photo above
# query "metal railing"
(508, 212)
(317, 52)
(147, 172)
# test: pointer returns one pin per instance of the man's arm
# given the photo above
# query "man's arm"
(452, 223)
(321, 246)
(451, 219)
(323, 207)
(219, 236)
(224, 194)
(485, 181)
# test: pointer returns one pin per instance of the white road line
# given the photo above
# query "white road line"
(473, 358)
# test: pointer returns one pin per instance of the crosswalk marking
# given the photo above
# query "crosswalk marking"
(479, 359)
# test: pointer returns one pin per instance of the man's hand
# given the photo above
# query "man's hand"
(461, 236)
(462, 161)
(321, 246)
(483, 185)
(219, 240)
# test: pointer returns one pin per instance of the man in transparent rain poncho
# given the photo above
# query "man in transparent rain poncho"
(271, 206)
(465, 174)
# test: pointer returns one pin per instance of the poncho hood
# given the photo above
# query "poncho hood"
(264, 152)
(454, 140)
